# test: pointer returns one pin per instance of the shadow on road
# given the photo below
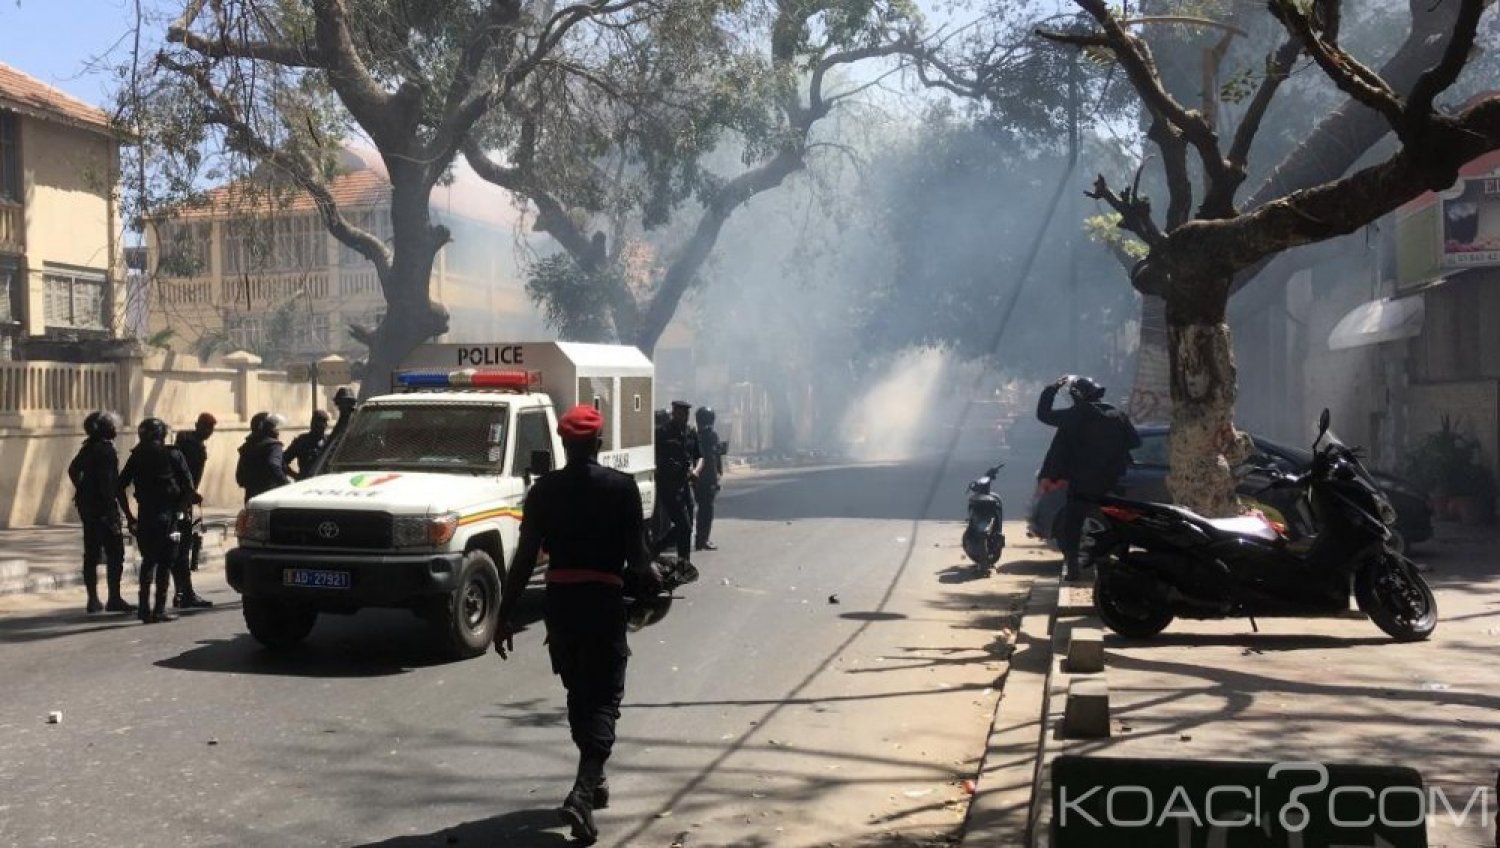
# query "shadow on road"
(1251, 642)
(521, 829)
(58, 624)
(886, 492)
(371, 643)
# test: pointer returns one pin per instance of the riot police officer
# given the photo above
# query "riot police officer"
(710, 470)
(676, 459)
(95, 473)
(588, 519)
(163, 490)
(261, 466)
(305, 449)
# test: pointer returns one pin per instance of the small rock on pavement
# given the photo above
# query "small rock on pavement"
(833, 599)
(54, 717)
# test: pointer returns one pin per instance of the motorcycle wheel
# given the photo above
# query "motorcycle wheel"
(1126, 612)
(1397, 599)
(977, 548)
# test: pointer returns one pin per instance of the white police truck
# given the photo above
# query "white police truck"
(418, 503)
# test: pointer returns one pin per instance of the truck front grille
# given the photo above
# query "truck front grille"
(328, 528)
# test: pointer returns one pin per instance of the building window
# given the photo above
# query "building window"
(74, 299)
(293, 243)
(10, 157)
(184, 248)
(377, 222)
(10, 287)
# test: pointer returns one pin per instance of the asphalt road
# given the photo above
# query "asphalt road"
(830, 680)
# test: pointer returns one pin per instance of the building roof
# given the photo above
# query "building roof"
(362, 183)
(30, 96)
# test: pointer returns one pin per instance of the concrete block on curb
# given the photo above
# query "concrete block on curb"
(1086, 713)
(1085, 651)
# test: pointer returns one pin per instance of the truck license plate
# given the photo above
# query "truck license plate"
(315, 578)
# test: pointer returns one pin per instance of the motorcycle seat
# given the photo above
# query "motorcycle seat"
(1245, 525)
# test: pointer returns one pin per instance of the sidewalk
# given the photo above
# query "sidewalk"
(1322, 690)
(45, 559)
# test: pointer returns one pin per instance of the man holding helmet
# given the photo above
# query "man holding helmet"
(588, 518)
(1090, 451)
(163, 489)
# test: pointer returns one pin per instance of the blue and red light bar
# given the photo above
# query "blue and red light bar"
(470, 378)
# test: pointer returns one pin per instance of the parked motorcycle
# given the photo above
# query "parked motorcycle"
(1157, 562)
(984, 538)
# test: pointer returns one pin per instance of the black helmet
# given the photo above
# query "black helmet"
(345, 398)
(270, 425)
(662, 417)
(152, 430)
(106, 426)
(1085, 390)
(256, 420)
(705, 416)
(91, 424)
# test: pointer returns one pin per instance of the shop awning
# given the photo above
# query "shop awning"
(1385, 320)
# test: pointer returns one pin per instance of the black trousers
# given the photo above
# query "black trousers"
(103, 541)
(705, 491)
(1075, 512)
(587, 644)
(158, 552)
(182, 560)
(678, 520)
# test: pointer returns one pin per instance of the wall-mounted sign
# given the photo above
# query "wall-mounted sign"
(1471, 224)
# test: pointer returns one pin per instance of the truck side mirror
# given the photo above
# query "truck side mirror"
(541, 463)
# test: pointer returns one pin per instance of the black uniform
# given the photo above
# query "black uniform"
(676, 454)
(1091, 451)
(588, 518)
(706, 487)
(95, 473)
(163, 488)
(304, 450)
(262, 466)
(195, 451)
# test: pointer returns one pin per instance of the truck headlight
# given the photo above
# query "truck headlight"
(253, 525)
(422, 531)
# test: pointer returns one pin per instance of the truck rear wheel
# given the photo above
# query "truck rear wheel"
(466, 624)
(279, 625)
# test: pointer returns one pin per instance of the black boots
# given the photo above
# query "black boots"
(190, 601)
(114, 574)
(159, 614)
(577, 812)
(590, 792)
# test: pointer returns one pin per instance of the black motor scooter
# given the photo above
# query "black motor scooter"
(1158, 561)
(984, 538)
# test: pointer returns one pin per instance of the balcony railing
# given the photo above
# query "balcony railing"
(185, 292)
(12, 227)
(273, 290)
(57, 387)
(355, 282)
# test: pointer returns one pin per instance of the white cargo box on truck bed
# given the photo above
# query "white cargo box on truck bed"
(615, 379)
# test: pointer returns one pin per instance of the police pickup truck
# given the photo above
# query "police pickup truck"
(418, 503)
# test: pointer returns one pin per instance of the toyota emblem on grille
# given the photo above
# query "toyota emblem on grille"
(328, 530)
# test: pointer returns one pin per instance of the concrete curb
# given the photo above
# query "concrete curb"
(23, 576)
(1002, 810)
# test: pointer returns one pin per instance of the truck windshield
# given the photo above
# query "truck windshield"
(429, 437)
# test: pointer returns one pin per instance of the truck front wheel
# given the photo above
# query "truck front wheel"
(279, 625)
(466, 624)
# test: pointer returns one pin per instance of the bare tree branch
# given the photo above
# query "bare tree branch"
(1446, 72)
(1352, 77)
(1278, 66)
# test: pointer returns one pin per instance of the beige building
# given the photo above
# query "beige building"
(60, 256)
(262, 273)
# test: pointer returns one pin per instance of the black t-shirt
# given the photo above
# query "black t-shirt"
(196, 453)
(160, 476)
(95, 473)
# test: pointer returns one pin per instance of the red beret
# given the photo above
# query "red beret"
(580, 422)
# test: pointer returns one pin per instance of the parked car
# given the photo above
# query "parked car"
(1146, 480)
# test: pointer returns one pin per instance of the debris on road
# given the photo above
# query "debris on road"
(833, 599)
(54, 717)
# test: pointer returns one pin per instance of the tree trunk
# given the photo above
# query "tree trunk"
(412, 317)
(1204, 444)
(1151, 396)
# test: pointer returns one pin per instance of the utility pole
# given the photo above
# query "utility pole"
(1072, 221)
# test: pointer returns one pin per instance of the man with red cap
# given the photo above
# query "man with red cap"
(588, 519)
